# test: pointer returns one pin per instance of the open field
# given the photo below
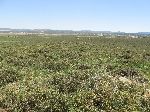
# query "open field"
(74, 74)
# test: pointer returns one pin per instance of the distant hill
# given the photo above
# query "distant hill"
(69, 32)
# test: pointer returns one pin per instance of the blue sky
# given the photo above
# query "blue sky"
(108, 15)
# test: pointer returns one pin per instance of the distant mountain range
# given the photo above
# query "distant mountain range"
(68, 32)
(49, 31)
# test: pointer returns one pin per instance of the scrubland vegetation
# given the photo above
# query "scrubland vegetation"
(71, 74)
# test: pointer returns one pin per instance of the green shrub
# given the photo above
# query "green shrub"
(74, 75)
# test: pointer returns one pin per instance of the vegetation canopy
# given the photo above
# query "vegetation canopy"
(74, 74)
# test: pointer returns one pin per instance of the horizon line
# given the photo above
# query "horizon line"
(76, 30)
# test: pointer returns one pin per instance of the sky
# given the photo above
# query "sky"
(98, 15)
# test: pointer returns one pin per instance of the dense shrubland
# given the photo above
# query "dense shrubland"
(69, 74)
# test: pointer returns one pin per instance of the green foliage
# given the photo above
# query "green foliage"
(69, 74)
